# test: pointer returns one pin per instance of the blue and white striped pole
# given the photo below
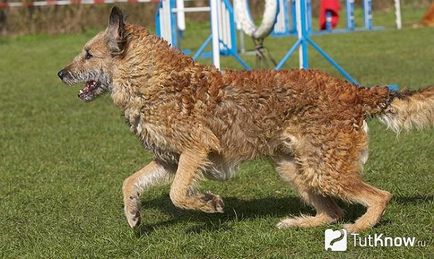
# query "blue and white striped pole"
(367, 10)
(309, 15)
(351, 24)
(329, 21)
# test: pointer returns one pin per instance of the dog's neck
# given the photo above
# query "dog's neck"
(150, 69)
(143, 66)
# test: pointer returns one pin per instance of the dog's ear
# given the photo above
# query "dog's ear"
(115, 31)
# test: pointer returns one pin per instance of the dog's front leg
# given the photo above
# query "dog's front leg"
(150, 175)
(182, 192)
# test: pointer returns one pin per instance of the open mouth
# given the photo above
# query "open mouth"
(89, 90)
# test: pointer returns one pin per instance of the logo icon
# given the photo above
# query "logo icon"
(335, 240)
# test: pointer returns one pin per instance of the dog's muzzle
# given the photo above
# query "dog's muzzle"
(62, 74)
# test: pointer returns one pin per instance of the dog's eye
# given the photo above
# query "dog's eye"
(88, 55)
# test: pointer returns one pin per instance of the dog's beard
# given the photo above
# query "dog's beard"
(95, 84)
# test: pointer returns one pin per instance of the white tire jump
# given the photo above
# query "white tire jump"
(245, 21)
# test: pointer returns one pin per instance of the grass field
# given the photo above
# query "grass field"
(62, 163)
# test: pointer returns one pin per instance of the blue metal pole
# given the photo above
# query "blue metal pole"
(288, 55)
(157, 21)
(302, 44)
(303, 34)
(173, 22)
(202, 47)
(332, 62)
(294, 17)
(240, 60)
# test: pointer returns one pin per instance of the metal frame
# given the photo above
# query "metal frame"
(166, 22)
(350, 19)
(223, 32)
(304, 40)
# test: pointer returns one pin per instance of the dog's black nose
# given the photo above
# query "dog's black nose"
(61, 74)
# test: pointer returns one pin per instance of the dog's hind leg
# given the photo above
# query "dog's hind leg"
(182, 192)
(341, 178)
(373, 198)
(332, 166)
(327, 211)
(152, 174)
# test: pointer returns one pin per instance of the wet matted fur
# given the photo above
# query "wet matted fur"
(202, 122)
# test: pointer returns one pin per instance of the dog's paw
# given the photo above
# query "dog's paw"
(132, 212)
(304, 221)
(288, 223)
(213, 203)
(133, 218)
(352, 228)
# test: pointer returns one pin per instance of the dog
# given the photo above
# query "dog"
(200, 122)
(427, 19)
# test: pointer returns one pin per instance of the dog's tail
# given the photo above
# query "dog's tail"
(402, 110)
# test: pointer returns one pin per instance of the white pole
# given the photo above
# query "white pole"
(398, 14)
(166, 25)
(162, 24)
(191, 9)
(215, 33)
(220, 22)
(180, 14)
(242, 46)
(280, 25)
(225, 24)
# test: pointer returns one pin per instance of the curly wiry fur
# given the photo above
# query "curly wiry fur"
(199, 121)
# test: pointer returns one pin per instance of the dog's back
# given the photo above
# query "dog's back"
(256, 110)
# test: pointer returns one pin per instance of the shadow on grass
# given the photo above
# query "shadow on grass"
(417, 198)
(354, 211)
(236, 209)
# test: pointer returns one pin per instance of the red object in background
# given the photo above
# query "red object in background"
(333, 6)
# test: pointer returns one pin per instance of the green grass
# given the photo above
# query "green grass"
(62, 163)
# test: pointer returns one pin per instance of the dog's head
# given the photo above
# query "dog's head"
(94, 65)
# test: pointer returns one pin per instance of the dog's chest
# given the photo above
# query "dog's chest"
(153, 138)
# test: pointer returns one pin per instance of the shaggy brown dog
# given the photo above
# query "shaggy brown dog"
(428, 17)
(199, 121)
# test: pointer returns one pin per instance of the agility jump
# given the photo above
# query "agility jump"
(281, 17)
(223, 31)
